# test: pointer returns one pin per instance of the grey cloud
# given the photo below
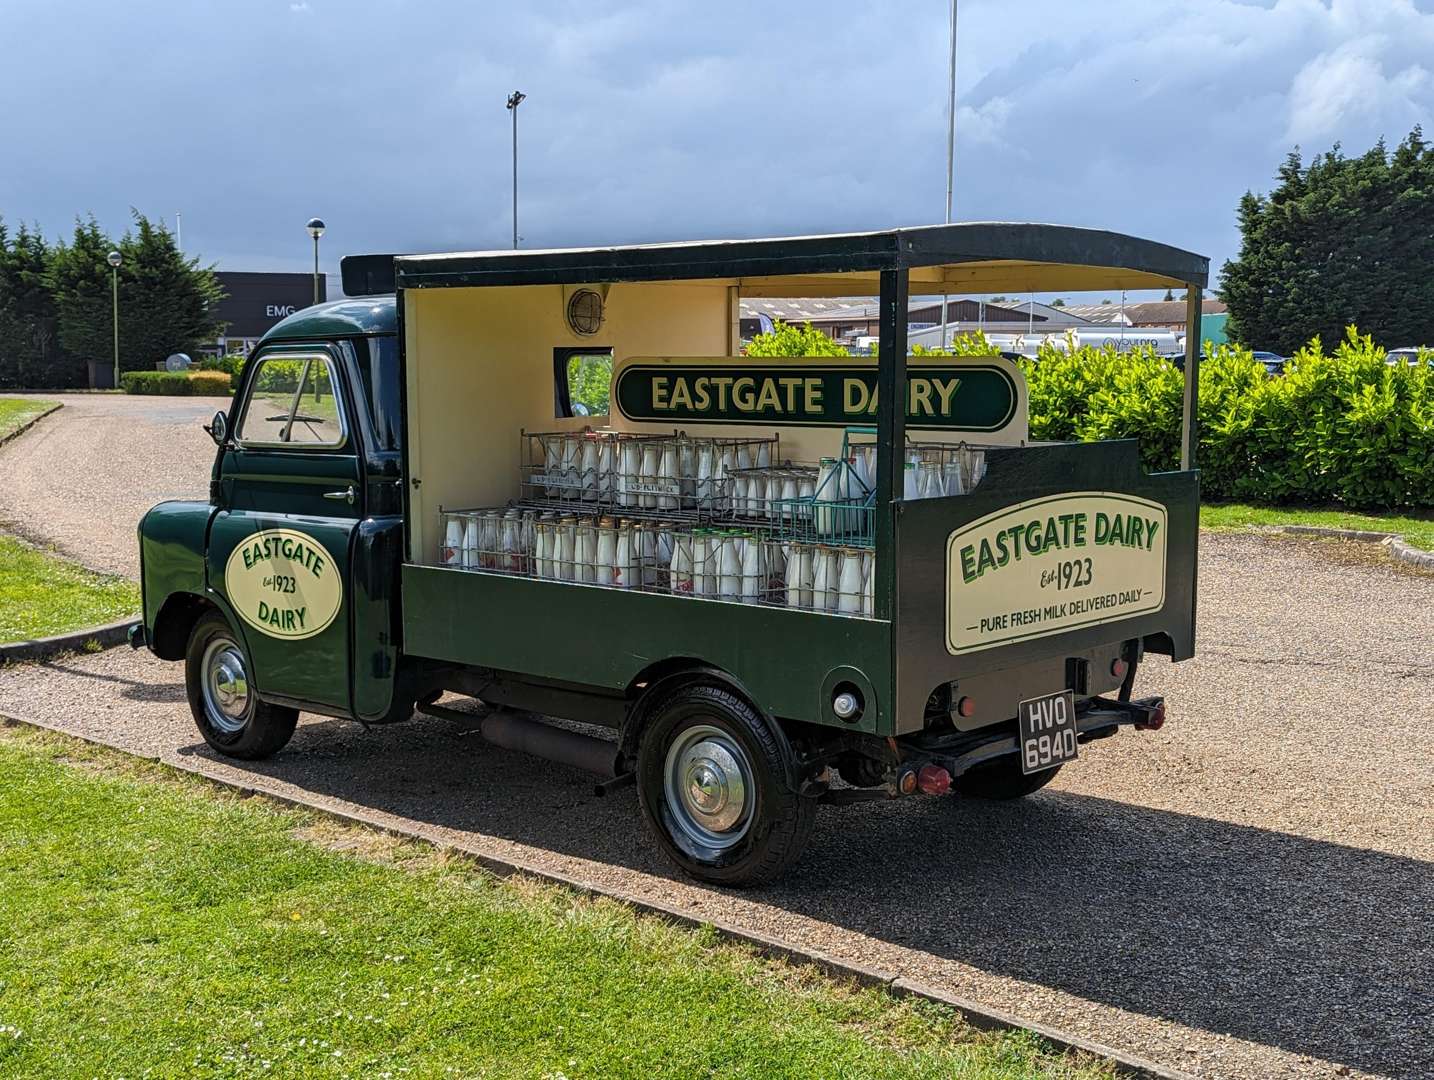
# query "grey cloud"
(652, 120)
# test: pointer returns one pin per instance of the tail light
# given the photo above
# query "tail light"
(933, 780)
(1118, 668)
(966, 707)
(1156, 721)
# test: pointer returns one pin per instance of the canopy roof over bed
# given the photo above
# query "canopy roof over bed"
(967, 257)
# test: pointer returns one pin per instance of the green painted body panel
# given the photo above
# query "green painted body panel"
(172, 538)
(337, 319)
(373, 598)
(605, 638)
(1015, 476)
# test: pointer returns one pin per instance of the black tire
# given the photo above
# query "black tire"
(231, 718)
(697, 725)
(1001, 779)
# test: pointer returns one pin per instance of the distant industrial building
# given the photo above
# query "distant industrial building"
(855, 322)
(848, 319)
(255, 302)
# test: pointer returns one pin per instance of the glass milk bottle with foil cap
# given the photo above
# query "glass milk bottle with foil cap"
(681, 567)
(604, 561)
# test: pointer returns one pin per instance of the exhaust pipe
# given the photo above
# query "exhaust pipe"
(513, 731)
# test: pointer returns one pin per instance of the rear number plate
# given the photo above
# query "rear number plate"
(1047, 731)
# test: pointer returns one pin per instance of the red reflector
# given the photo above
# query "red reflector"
(1118, 668)
(933, 780)
(1156, 721)
(966, 707)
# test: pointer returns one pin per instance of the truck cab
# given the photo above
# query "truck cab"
(308, 470)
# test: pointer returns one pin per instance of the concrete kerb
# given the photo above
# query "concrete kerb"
(91, 639)
(1396, 546)
(978, 1016)
(28, 424)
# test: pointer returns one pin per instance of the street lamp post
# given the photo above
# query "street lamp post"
(515, 99)
(114, 259)
(316, 230)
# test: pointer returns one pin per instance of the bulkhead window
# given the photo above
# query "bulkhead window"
(582, 380)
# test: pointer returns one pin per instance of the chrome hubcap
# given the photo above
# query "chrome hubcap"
(226, 686)
(708, 782)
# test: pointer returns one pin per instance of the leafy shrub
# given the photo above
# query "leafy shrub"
(176, 383)
(1336, 427)
(231, 364)
(788, 340)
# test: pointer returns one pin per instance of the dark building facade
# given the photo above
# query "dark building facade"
(256, 301)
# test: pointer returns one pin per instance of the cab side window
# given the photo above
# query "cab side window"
(292, 402)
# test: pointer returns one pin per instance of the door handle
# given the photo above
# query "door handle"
(347, 495)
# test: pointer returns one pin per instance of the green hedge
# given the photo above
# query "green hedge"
(178, 383)
(1335, 427)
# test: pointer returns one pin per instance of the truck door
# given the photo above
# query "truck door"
(291, 493)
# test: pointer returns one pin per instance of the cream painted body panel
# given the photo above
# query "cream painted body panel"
(480, 369)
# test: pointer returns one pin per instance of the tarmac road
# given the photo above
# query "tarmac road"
(1246, 893)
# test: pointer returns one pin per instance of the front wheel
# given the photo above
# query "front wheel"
(222, 698)
(712, 779)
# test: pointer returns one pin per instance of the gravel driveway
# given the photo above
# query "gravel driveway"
(83, 476)
(1247, 893)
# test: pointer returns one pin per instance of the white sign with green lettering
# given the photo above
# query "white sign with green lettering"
(1051, 565)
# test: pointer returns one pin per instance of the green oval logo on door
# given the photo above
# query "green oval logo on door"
(284, 583)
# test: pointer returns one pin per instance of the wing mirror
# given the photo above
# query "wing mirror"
(218, 428)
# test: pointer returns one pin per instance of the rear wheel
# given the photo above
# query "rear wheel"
(1001, 779)
(222, 698)
(712, 778)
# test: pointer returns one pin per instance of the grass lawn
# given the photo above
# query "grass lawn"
(1418, 531)
(154, 926)
(15, 413)
(41, 594)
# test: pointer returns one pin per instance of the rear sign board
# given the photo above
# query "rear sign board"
(1053, 564)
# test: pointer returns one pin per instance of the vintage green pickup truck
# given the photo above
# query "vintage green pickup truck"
(774, 585)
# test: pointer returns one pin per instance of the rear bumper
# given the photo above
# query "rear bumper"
(1097, 718)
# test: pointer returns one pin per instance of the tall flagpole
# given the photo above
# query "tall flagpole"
(950, 149)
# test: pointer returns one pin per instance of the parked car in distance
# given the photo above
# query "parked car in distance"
(1274, 362)
(1409, 354)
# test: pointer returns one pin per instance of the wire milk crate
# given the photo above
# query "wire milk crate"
(930, 469)
(589, 549)
(752, 567)
(646, 476)
(831, 503)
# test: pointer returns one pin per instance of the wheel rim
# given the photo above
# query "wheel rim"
(710, 792)
(227, 699)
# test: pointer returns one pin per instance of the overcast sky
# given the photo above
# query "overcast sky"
(678, 120)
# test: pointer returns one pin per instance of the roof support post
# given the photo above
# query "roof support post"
(1189, 435)
(890, 433)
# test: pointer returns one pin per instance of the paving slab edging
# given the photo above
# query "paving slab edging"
(28, 424)
(91, 639)
(977, 1015)
(1397, 547)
